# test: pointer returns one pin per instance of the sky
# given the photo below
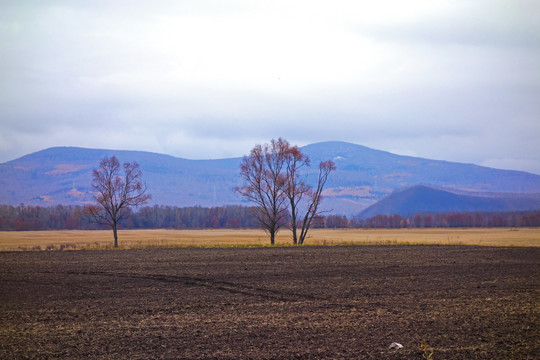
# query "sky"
(449, 80)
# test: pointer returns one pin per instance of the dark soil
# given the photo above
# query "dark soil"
(271, 303)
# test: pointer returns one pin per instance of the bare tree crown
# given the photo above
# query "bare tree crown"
(115, 194)
(273, 181)
(264, 180)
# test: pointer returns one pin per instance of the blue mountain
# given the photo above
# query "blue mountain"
(62, 175)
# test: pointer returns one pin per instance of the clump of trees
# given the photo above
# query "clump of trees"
(275, 181)
(116, 194)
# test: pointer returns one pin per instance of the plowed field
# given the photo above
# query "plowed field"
(338, 302)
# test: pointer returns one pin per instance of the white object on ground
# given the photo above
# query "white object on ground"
(395, 345)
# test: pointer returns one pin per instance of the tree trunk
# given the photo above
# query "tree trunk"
(294, 237)
(305, 228)
(115, 232)
(272, 236)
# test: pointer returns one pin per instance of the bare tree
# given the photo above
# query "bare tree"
(301, 195)
(325, 168)
(273, 181)
(264, 178)
(115, 194)
(296, 189)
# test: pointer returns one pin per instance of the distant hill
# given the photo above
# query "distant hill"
(62, 175)
(422, 199)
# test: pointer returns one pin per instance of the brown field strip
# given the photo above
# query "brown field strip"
(285, 302)
(136, 239)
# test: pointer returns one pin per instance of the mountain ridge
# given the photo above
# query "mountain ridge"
(62, 175)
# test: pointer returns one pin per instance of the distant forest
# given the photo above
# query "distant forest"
(60, 217)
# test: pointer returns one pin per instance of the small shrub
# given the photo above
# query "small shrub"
(427, 351)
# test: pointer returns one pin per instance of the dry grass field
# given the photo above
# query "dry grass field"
(139, 239)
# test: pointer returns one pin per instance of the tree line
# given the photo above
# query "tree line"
(72, 217)
(453, 220)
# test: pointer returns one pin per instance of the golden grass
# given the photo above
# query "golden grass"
(136, 239)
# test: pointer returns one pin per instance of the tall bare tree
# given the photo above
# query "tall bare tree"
(315, 198)
(263, 172)
(296, 189)
(115, 194)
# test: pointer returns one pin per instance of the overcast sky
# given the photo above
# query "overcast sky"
(456, 80)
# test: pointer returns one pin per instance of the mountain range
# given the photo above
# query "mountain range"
(63, 175)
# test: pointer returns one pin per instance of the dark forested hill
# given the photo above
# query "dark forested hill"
(62, 175)
(424, 199)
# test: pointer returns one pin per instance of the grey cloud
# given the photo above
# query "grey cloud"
(461, 85)
(500, 23)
